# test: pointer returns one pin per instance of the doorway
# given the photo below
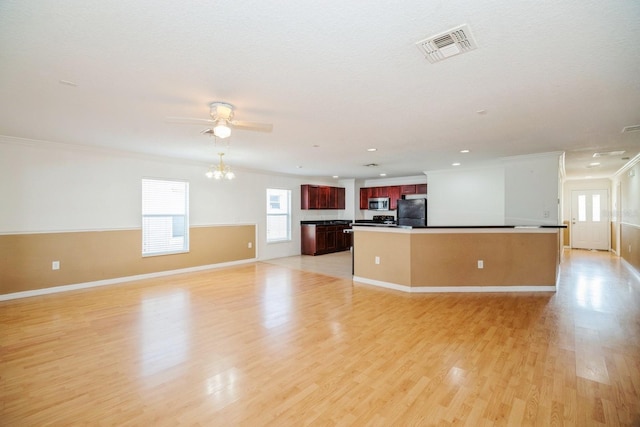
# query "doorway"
(590, 219)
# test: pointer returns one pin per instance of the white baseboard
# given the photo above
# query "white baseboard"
(86, 285)
(439, 289)
(630, 267)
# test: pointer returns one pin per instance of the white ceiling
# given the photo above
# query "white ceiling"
(334, 77)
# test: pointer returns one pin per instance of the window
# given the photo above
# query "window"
(582, 208)
(165, 217)
(278, 215)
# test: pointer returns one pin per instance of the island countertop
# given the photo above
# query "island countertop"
(454, 227)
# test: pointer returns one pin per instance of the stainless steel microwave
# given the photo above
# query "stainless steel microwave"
(379, 204)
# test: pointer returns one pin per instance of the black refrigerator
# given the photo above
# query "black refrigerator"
(412, 212)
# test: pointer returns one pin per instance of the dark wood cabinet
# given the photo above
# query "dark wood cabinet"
(321, 197)
(393, 192)
(407, 189)
(324, 239)
(394, 195)
(341, 198)
(364, 198)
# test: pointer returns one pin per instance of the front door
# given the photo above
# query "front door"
(590, 219)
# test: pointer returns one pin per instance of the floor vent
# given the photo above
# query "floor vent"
(445, 45)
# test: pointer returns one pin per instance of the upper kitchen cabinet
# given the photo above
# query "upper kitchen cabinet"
(321, 197)
(413, 189)
(393, 192)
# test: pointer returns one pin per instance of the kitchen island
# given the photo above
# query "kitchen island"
(458, 259)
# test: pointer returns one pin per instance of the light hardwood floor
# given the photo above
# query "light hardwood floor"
(270, 344)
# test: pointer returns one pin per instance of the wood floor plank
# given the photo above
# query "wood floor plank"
(279, 344)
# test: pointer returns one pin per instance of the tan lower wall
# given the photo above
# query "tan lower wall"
(566, 241)
(393, 250)
(25, 259)
(630, 244)
(509, 259)
(433, 259)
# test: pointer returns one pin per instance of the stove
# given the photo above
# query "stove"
(384, 219)
(378, 219)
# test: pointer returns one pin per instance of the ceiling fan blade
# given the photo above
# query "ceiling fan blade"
(190, 121)
(260, 127)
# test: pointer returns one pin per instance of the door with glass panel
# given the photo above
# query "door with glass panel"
(590, 219)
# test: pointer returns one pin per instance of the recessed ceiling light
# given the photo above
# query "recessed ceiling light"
(383, 174)
(594, 164)
(455, 164)
(465, 151)
(372, 149)
(481, 112)
(68, 83)
(336, 176)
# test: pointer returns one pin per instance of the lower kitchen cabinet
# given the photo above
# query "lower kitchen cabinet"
(323, 239)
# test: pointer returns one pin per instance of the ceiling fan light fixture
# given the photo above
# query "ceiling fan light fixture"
(222, 129)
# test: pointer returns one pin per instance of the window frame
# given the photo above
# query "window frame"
(170, 232)
(287, 215)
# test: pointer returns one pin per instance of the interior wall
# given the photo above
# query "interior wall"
(90, 256)
(466, 197)
(57, 188)
(531, 190)
(629, 206)
(520, 190)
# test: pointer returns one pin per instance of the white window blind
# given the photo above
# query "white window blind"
(165, 217)
(278, 215)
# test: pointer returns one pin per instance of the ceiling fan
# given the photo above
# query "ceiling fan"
(222, 121)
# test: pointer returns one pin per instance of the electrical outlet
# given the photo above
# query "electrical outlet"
(55, 265)
(377, 260)
(249, 245)
(480, 263)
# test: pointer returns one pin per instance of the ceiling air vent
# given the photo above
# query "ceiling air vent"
(450, 43)
(634, 128)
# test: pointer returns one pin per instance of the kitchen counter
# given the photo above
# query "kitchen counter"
(458, 258)
(328, 222)
(434, 227)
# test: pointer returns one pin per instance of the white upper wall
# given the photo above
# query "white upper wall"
(531, 189)
(466, 197)
(520, 190)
